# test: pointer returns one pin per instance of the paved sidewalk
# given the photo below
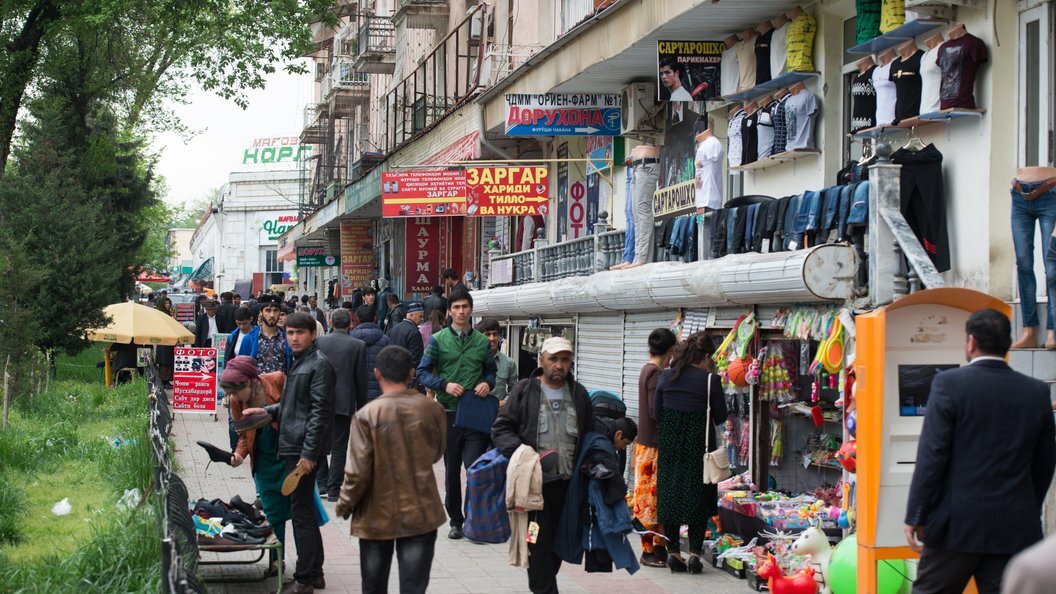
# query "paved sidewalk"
(458, 566)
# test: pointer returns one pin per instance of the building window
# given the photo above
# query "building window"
(272, 268)
(1035, 83)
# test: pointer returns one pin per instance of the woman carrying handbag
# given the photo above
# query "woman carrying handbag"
(689, 403)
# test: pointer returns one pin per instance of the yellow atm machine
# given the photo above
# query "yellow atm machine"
(900, 348)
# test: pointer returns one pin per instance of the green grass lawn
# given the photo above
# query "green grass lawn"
(59, 445)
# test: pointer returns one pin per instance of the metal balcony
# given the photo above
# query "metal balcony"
(314, 130)
(423, 14)
(376, 46)
(343, 88)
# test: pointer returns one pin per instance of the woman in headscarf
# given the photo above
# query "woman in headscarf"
(246, 388)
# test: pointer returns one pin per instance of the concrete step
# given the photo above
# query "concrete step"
(1037, 363)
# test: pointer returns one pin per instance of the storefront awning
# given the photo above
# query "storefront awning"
(204, 271)
(823, 273)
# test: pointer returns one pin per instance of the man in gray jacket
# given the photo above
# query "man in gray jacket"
(304, 416)
(348, 356)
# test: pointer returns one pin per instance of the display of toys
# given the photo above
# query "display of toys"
(846, 455)
(737, 372)
(777, 442)
(775, 382)
(852, 423)
(754, 370)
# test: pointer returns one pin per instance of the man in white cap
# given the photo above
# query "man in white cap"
(549, 412)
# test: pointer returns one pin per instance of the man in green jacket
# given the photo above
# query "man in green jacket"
(458, 363)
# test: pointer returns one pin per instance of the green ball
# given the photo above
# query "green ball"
(843, 570)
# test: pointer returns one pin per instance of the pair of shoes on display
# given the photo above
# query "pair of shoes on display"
(231, 539)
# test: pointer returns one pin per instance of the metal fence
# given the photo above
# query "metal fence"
(179, 542)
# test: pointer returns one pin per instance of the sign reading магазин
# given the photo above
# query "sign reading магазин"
(563, 114)
(275, 224)
(275, 149)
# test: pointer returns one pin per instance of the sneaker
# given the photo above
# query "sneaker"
(456, 533)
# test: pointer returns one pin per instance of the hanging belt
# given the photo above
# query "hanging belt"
(1045, 186)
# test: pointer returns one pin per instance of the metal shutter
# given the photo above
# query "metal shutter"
(599, 350)
(636, 329)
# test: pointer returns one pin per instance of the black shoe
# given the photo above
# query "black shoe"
(216, 454)
(247, 510)
(319, 583)
(250, 422)
(332, 497)
(695, 565)
(298, 588)
(675, 564)
(456, 533)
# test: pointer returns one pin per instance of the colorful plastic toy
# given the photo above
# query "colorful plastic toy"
(813, 542)
(801, 582)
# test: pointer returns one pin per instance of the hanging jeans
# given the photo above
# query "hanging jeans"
(645, 178)
(1028, 215)
(628, 212)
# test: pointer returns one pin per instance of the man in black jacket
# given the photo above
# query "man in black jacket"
(349, 358)
(206, 326)
(984, 463)
(304, 416)
(435, 301)
(225, 314)
(522, 421)
(405, 333)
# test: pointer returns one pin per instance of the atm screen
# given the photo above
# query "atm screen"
(914, 385)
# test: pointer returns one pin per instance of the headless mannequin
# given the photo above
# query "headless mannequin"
(1029, 338)
(907, 49)
(780, 93)
(730, 41)
(886, 57)
(933, 41)
(766, 101)
(779, 22)
(764, 26)
(750, 108)
(642, 151)
(747, 34)
(794, 12)
(797, 88)
(957, 31)
(865, 64)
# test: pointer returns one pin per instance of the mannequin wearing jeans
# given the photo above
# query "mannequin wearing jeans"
(646, 162)
(1033, 206)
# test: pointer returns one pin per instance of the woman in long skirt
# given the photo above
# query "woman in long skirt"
(681, 405)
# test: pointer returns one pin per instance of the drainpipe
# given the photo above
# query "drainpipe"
(484, 135)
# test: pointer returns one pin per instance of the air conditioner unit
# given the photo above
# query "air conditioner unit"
(639, 110)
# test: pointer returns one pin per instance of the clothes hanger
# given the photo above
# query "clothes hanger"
(914, 144)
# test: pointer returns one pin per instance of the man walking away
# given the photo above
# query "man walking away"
(452, 283)
(349, 357)
(318, 314)
(304, 417)
(225, 314)
(206, 326)
(390, 489)
(978, 488)
(540, 412)
(375, 339)
(405, 333)
(505, 367)
(435, 301)
(458, 364)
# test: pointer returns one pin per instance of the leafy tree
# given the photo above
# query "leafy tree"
(155, 48)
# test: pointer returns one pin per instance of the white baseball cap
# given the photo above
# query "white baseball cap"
(556, 344)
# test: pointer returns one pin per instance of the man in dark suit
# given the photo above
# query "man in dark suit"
(348, 355)
(984, 463)
(318, 314)
(206, 326)
(405, 333)
(225, 314)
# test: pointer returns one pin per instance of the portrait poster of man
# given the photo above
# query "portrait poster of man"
(688, 70)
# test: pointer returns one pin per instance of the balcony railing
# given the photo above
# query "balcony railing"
(376, 45)
(422, 14)
(896, 265)
(314, 130)
(440, 83)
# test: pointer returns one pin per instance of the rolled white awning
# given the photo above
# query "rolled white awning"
(822, 273)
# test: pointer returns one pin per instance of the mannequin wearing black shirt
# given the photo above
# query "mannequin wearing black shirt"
(905, 73)
(863, 96)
